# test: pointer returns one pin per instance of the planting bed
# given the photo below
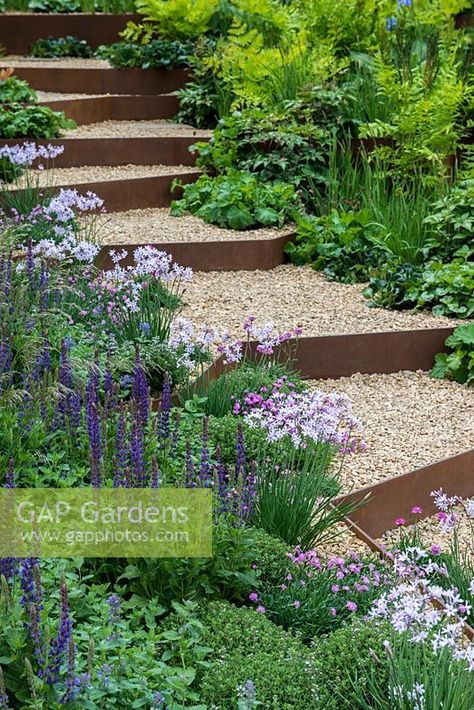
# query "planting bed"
(289, 295)
(410, 420)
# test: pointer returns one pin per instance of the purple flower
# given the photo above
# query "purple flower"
(165, 409)
(253, 596)
(352, 606)
(60, 644)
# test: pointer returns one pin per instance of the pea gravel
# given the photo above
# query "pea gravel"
(152, 226)
(15, 60)
(65, 176)
(294, 295)
(409, 420)
(136, 129)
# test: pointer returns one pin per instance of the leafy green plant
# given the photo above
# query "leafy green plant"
(16, 91)
(283, 146)
(17, 121)
(452, 221)
(179, 19)
(238, 201)
(395, 286)
(156, 54)
(448, 289)
(69, 46)
(339, 244)
(458, 363)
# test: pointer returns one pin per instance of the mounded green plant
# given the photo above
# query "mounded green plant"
(247, 646)
(32, 121)
(156, 54)
(16, 91)
(69, 46)
(238, 201)
(458, 363)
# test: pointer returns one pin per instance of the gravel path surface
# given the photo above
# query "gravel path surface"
(409, 420)
(136, 129)
(98, 173)
(14, 60)
(432, 533)
(52, 96)
(294, 295)
(157, 225)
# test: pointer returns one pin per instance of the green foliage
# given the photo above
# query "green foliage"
(225, 575)
(156, 54)
(458, 363)
(16, 91)
(448, 289)
(452, 221)
(270, 558)
(232, 385)
(295, 494)
(346, 654)
(246, 645)
(339, 244)
(395, 286)
(17, 121)
(69, 46)
(179, 19)
(238, 201)
(9, 172)
(283, 146)
(412, 667)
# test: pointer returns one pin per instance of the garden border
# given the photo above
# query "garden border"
(100, 80)
(125, 107)
(19, 31)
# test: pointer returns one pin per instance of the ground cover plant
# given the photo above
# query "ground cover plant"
(69, 46)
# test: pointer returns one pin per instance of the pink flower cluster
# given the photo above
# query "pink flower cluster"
(409, 607)
(311, 416)
(267, 335)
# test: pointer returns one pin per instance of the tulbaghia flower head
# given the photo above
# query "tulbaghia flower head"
(308, 416)
(267, 335)
(469, 507)
(26, 154)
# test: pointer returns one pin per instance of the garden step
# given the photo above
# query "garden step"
(296, 295)
(19, 30)
(93, 76)
(192, 242)
(158, 150)
(92, 109)
(137, 129)
(126, 187)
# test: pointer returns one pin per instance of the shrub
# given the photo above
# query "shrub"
(448, 289)
(16, 91)
(157, 54)
(247, 646)
(270, 557)
(344, 655)
(452, 219)
(458, 364)
(339, 244)
(238, 201)
(69, 46)
(391, 286)
(17, 121)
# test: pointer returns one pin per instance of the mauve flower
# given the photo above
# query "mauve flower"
(417, 510)
(400, 521)
(352, 606)
(261, 609)
(253, 596)
(435, 549)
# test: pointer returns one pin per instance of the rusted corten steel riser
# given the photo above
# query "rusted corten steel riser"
(74, 80)
(162, 150)
(116, 108)
(332, 356)
(395, 497)
(238, 255)
(134, 193)
(18, 32)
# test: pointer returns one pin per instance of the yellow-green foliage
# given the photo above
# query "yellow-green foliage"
(179, 19)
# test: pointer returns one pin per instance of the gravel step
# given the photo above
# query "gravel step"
(86, 174)
(409, 420)
(293, 295)
(152, 226)
(136, 129)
